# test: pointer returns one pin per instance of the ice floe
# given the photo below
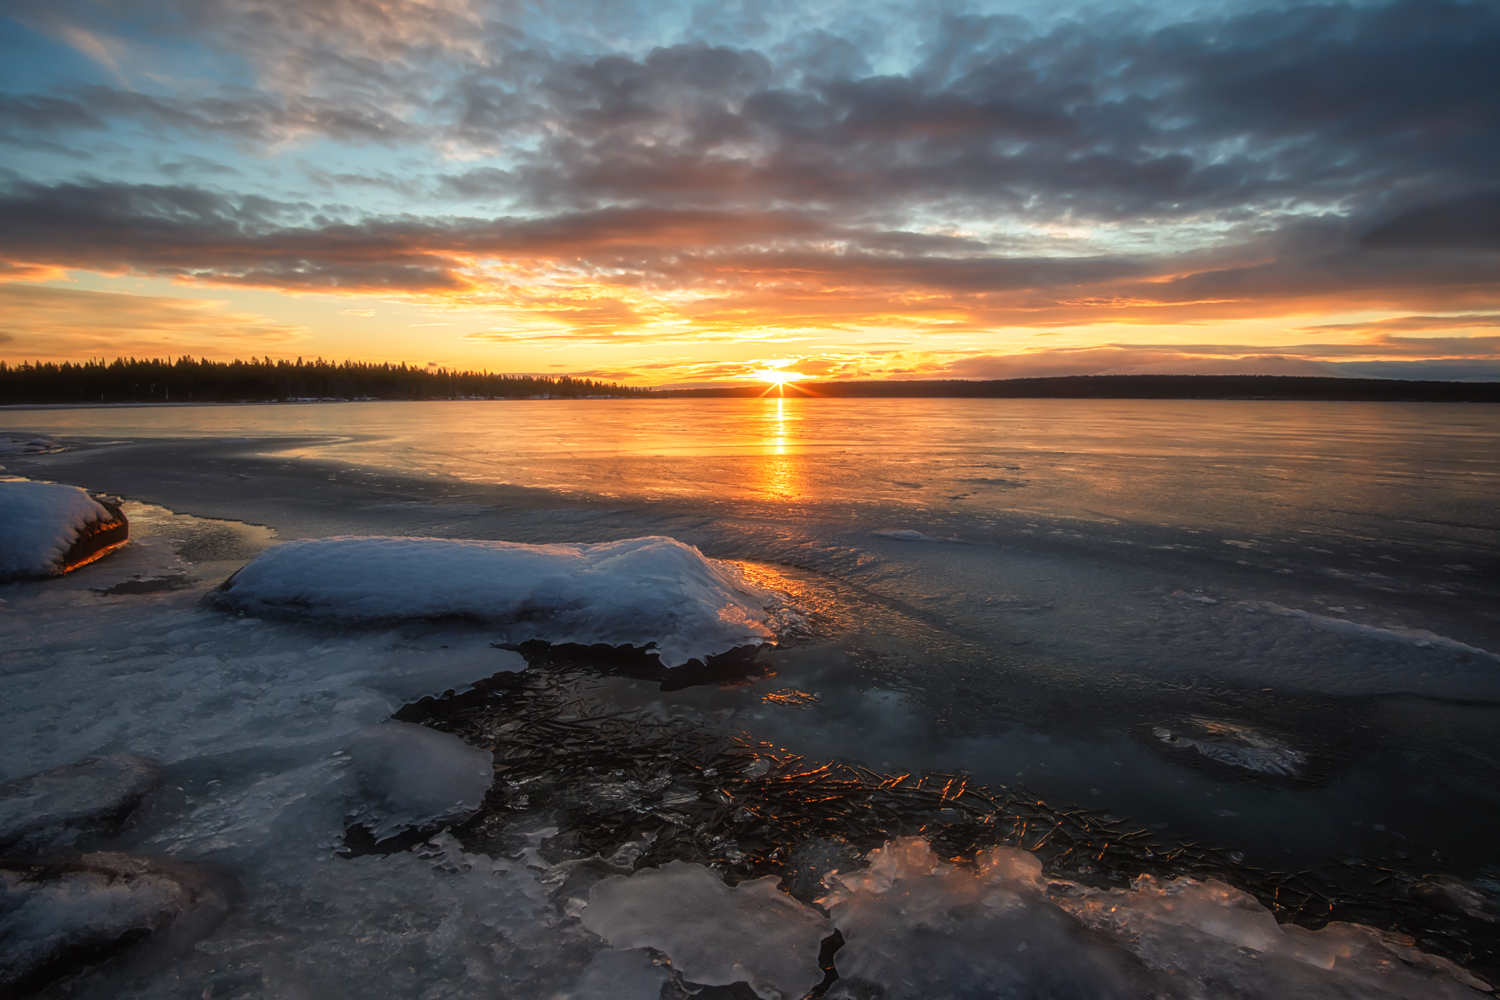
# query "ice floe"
(633, 592)
(47, 529)
(412, 776)
(917, 927)
(753, 933)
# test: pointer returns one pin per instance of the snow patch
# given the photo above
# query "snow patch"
(633, 592)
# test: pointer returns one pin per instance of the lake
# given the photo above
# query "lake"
(1264, 630)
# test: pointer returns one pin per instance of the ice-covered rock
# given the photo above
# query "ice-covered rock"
(714, 935)
(55, 919)
(411, 776)
(47, 529)
(632, 592)
(56, 807)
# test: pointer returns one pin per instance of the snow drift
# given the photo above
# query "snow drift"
(48, 529)
(632, 592)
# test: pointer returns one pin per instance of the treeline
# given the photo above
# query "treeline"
(1305, 387)
(189, 380)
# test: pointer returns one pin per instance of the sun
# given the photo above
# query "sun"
(776, 376)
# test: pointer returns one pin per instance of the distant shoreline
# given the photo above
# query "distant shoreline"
(1283, 388)
(1306, 388)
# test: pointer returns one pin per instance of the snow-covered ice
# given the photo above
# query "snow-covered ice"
(40, 523)
(633, 592)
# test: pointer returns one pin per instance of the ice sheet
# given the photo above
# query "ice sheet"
(633, 592)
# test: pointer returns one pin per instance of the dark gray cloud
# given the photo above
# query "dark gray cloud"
(236, 114)
(741, 256)
(188, 231)
(1369, 108)
(1468, 222)
(1268, 110)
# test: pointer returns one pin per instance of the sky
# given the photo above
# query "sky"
(681, 193)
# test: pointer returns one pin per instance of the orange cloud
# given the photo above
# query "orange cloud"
(70, 324)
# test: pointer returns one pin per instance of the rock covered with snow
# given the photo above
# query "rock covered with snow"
(632, 592)
(56, 807)
(47, 529)
(714, 935)
(411, 776)
(56, 919)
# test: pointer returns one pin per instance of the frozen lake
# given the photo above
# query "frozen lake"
(1263, 632)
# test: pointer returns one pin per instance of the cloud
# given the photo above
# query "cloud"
(1383, 326)
(44, 323)
(1477, 359)
(1471, 221)
(193, 233)
(759, 176)
(620, 273)
(1106, 119)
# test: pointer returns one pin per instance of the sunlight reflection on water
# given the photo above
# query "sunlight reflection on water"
(1261, 466)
